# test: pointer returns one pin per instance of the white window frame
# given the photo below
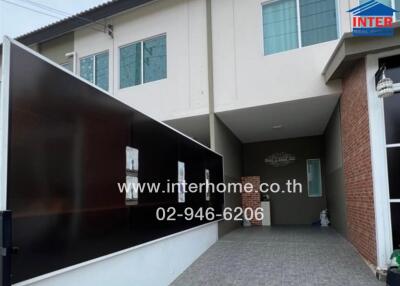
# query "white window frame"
(299, 39)
(141, 60)
(320, 176)
(94, 65)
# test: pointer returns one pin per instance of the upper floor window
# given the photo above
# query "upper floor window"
(397, 7)
(94, 68)
(395, 4)
(143, 61)
(290, 24)
(68, 65)
(386, 2)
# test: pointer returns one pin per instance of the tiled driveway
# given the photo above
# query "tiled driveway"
(280, 256)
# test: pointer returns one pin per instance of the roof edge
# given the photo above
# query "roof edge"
(79, 20)
(352, 48)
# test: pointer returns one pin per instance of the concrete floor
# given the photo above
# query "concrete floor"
(279, 256)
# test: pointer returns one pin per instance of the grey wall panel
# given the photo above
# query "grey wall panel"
(336, 198)
(288, 209)
(227, 144)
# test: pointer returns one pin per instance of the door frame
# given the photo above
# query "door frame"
(383, 222)
(4, 121)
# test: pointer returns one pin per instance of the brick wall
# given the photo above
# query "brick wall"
(252, 199)
(357, 163)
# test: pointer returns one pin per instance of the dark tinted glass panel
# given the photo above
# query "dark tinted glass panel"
(66, 156)
(395, 211)
(392, 119)
(392, 67)
(393, 156)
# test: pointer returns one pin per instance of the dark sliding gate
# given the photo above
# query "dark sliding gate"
(5, 248)
(70, 145)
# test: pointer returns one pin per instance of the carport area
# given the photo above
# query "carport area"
(297, 142)
(313, 143)
(280, 255)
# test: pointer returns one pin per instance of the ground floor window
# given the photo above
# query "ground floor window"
(314, 180)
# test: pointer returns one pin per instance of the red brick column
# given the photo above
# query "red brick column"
(252, 199)
(357, 166)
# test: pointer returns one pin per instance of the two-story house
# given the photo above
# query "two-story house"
(259, 81)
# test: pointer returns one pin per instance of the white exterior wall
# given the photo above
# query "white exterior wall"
(244, 77)
(185, 90)
(157, 263)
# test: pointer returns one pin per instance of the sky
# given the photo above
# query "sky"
(16, 21)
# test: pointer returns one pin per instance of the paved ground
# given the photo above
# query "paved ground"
(280, 256)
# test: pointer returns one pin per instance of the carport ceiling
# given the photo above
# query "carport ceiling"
(291, 119)
(196, 127)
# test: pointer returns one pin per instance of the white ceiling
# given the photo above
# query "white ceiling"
(299, 118)
(196, 127)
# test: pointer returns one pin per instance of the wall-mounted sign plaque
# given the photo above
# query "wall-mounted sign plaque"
(280, 159)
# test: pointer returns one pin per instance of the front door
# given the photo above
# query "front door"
(392, 130)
